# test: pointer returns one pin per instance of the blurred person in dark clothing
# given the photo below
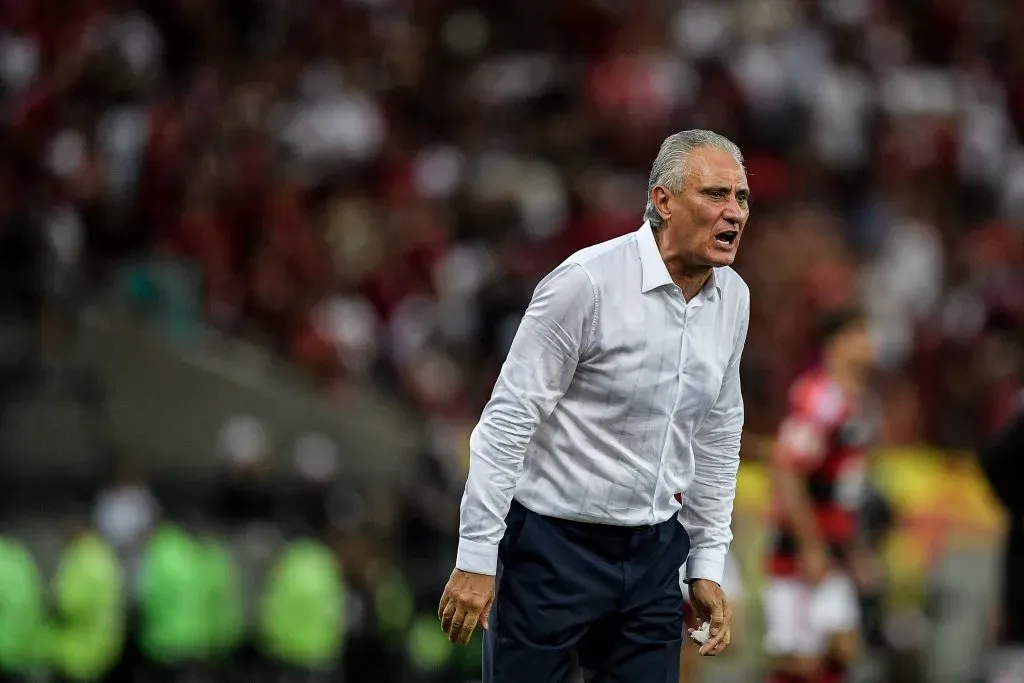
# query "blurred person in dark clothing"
(315, 462)
(21, 262)
(876, 522)
(431, 515)
(245, 493)
(21, 289)
(1000, 460)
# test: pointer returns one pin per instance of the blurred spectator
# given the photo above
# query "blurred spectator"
(373, 189)
(23, 618)
(302, 620)
(246, 494)
(89, 597)
(174, 609)
(126, 511)
(315, 461)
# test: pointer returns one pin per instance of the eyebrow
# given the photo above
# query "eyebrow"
(725, 188)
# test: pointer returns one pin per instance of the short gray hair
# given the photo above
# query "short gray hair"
(670, 164)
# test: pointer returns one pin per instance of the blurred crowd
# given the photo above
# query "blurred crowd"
(372, 188)
(251, 581)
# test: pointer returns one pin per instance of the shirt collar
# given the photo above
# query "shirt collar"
(655, 274)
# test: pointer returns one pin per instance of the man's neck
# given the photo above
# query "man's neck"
(689, 280)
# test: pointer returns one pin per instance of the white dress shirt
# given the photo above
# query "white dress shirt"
(617, 394)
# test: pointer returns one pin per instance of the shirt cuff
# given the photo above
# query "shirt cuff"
(476, 557)
(708, 565)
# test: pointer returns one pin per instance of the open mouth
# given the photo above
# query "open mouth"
(727, 237)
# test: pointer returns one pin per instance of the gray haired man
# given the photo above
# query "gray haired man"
(607, 454)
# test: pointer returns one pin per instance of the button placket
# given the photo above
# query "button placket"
(682, 317)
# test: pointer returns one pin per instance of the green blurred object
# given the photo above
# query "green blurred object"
(303, 612)
(226, 621)
(22, 610)
(428, 648)
(88, 636)
(393, 603)
(174, 598)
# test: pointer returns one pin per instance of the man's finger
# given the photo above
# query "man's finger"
(445, 597)
(457, 621)
(717, 618)
(719, 627)
(468, 626)
(726, 640)
(449, 615)
(456, 631)
(717, 648)
(714, 645)
(723, 639)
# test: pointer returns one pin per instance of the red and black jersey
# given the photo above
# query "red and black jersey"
(823, 437)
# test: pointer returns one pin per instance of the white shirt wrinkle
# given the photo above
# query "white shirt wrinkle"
(610, 355)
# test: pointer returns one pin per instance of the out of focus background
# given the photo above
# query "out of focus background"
(262, 260)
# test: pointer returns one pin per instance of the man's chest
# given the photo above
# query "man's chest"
(666, 359)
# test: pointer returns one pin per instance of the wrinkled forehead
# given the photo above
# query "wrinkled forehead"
(709, 166)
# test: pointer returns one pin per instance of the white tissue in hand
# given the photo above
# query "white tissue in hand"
(702, 634)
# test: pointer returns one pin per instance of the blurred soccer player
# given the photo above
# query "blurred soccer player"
(818, 476)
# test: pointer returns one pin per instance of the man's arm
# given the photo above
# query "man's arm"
(707, 509)
(555, 331)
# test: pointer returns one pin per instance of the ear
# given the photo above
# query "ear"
(660, 198)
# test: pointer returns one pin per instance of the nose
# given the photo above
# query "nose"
(732, 212)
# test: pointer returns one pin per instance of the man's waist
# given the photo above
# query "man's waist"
(611, 522)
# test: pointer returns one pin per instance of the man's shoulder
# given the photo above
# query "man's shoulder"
(598, 254)
(606, 258)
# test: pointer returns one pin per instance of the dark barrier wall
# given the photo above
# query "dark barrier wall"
(165, 405)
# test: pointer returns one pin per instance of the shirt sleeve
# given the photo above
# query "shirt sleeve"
(707, 511)
(553, 335)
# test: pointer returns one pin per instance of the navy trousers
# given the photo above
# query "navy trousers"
(572, 594)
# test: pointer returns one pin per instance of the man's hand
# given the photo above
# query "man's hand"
(466, 602)
(709, 604)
